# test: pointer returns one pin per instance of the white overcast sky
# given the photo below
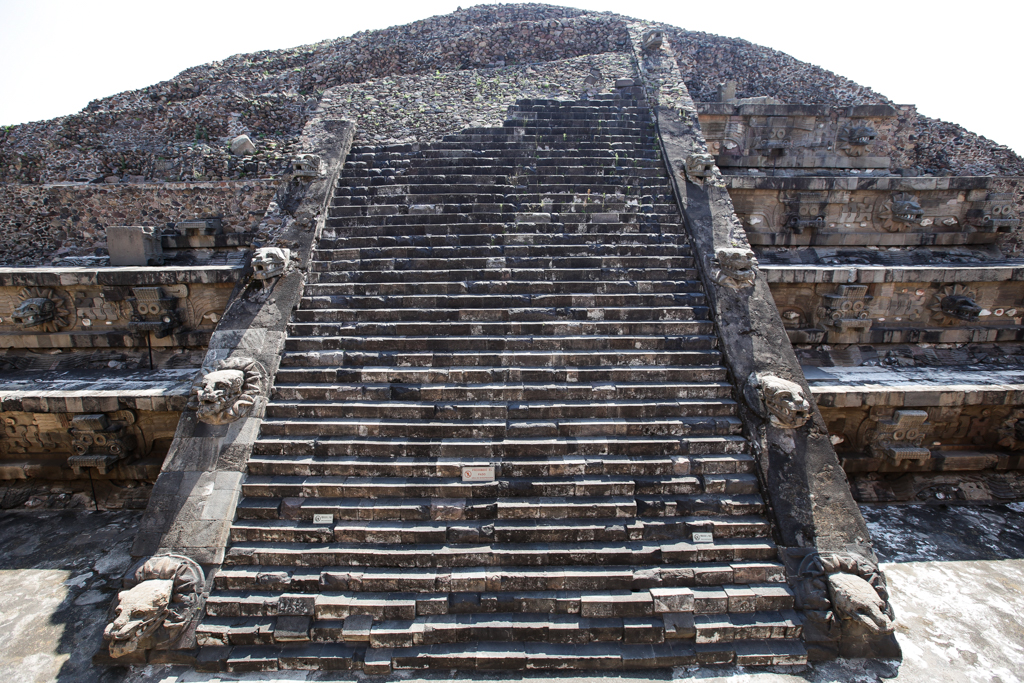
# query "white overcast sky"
(958, 61)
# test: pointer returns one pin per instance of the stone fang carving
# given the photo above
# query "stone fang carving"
(268, 262)
(229, 392)
(698, 167)
(855, 139)
(900, 438)
(156, 611)
(43, 307)
(849, 585)
(735, 267)
(901, 211)
(956, 302)
(780, 400)
(306, 166)
(653, 39)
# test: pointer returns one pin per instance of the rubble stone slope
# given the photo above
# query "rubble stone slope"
(179, 129)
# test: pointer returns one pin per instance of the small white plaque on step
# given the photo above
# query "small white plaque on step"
(481, 473)
(323, 519)
(703, 537)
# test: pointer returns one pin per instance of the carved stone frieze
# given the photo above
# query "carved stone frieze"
(996, 213)
(1011, 431)
(854, 139)
(955, 303)
(901, 211)
(167, 596)
(229, 392)
(44, 309)
(101, 440)
(154, 310)
(845, 310)
(899, 439)
(734, 268)
(26, 433)
(780, 400)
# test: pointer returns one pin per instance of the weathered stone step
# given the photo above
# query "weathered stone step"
(640, 553)
(501, 288)
(598, 240)
(501, 530)
(525, 314)
(707, 454)
(501, 359)
(273, 506)
(499, 263)
(500, 429)
(507, 251)
(454, 487)
(505, 275)
(501, 410)
(294, 460)
(498, 391)
(304, 371)
(358, 217)
(506, 656)
(430, 580)
(554, 343)
(438, 225)
(490, 329)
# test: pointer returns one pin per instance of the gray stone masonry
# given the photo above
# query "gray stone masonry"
(804, 483)
(193, 502)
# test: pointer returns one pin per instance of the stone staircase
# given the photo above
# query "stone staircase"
(523, 299)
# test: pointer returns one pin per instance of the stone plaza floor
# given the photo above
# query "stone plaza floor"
(956, 575)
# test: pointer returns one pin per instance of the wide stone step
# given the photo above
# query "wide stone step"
(707, 454)
(456, 487)
(295, 457)
(498, 391)
(502, 287)
(507, 251)
(480, 343)
(710, 606)
(439, 225)
(292, 505)
(499, 429)
(641, 553)
(430, 580)
(500, 359)
(501, 530)
(506, 656)
(500, 263)
(596, 240)
(304, 371)
(492, 329)
(500, 410)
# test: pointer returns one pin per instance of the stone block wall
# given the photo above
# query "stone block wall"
(43, 223)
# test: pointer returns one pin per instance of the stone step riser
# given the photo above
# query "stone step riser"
(273, 506)
(497, 265)
(304, 371)
(568, 392)
(455, 329)
(769, 577)
(397, 410)
(499, 429)
(499, 359)
(364, 466)
(634, 552)
(399, 344)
